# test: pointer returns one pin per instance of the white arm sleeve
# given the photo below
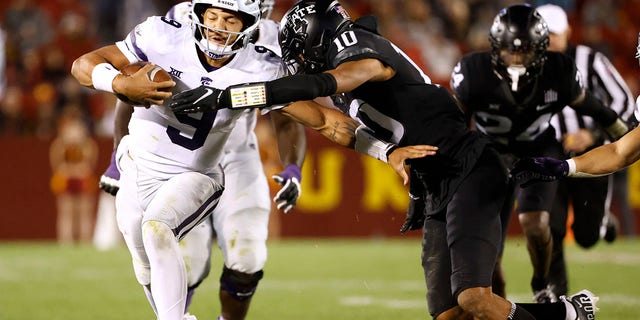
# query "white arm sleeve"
(367, 144)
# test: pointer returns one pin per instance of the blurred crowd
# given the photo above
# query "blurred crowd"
(41, 38)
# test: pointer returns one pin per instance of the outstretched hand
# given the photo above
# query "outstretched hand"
(288, 195)
(528, 171)
(200, 99)
(398, 156)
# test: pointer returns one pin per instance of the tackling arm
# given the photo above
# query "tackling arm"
(337, 127)
(609, 158)
(301, 87)
(329, 122)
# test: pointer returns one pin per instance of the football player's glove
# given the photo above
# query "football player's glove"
(110, 179)
(200, 99)
(288, 195)
(528, 171)
(415, 212)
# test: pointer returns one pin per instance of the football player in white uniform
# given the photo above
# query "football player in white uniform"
(242, 215)
(171, 177)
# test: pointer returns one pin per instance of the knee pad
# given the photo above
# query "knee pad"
(240, 286)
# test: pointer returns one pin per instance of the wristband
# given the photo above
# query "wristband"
(573, 173)
(367, 144)
(102, 77)
(572, 167)
(252, 95)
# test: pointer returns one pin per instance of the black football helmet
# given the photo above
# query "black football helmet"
(518, 30)
(306, 32)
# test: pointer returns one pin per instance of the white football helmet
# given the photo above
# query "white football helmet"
(250, 13)
(266, 7)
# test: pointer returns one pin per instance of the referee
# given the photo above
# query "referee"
(590, 198)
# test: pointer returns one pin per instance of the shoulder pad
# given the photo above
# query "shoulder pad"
(369, 23)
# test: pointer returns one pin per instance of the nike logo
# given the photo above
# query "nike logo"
(204, 96)
(542, 107)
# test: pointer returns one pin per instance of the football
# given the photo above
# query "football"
(157, 74)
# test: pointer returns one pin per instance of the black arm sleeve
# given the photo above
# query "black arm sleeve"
(298, 87)
(592, 107)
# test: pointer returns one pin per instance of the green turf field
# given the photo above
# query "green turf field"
(304, 279)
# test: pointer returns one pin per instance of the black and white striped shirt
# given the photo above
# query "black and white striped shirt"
(606, 84)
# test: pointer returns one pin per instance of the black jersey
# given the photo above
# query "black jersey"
(408, 110)
(510, 119)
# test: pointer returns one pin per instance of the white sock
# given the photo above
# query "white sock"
(168, 274)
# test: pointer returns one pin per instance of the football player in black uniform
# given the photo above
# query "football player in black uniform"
(602, 160)
(512, 92)
(396, 101)
(589, 198)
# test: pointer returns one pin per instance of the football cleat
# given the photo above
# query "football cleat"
(189, 316)
(584, 304)
(545, 295)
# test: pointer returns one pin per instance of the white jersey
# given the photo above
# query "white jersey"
(242, 136)
(191, 142)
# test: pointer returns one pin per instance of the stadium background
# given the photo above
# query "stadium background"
(345, 194)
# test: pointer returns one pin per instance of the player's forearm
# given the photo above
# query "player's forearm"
(606, 159)
(339, 128)
(329, 122)
(292, 142)
(83, 67)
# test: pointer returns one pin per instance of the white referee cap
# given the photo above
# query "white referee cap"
(555, 17)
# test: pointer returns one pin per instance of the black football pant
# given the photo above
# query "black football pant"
(588, 198)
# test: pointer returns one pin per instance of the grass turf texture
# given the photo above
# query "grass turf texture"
(304, 279)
